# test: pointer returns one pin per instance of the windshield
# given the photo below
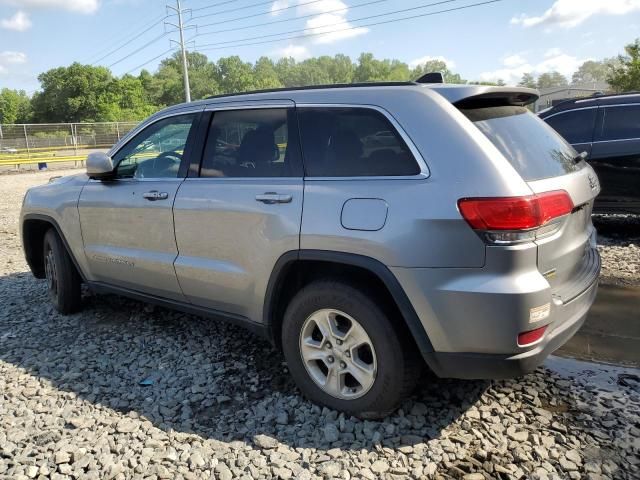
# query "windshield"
(534, 149)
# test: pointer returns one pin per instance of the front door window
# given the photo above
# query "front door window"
(157, 151)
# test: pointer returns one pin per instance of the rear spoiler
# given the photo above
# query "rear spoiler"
(498, 99)
(475, 96)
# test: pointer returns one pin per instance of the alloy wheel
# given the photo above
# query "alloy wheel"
(51, 272)
(338, 354)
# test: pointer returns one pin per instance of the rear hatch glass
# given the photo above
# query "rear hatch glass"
(534, 149)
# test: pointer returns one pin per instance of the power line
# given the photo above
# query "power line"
(286, 19)
(129, 40)
(151, 60)
(259, 4)
(369, 17)
(151, 42)
(213, 6)
(349, 28)
(261, 14)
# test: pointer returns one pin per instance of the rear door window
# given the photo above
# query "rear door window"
(352, 142)
(621, 123)
(576, 126)
(252, 143)
(534, 149)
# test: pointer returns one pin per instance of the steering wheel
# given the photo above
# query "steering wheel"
(170, 154)
(154, 166)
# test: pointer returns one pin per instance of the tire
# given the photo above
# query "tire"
(397, 366)
(63, 281)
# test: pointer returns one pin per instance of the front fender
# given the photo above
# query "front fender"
(57, 204)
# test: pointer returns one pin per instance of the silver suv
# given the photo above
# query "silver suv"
(366, 230)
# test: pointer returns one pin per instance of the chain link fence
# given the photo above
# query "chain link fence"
(57, 142)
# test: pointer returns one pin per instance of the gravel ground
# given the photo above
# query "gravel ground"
(619, 246)
(125, 390)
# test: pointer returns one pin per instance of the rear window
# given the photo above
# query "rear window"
(534, 149)
(621, 122)
(352, 142)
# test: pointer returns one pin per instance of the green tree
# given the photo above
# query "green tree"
(341, 69)
(552, 79)
(592, 71)
(15, 106)
(125, 100)
(235, 75)
(528, 80)
(625, 76)
(265, 75)
(166, 86)
(71, 94)
(83, 93)
(369, 69)
(437, 66)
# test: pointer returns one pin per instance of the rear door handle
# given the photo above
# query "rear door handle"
(155, 195)
(271, 197)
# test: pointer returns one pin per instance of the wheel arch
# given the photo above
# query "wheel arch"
(33, 229)
(296, 268)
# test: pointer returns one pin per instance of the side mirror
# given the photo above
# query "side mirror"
(99, 165)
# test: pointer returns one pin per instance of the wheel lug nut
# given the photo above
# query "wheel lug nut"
(347, 354)
(343, 365)
(330, 359)
(327, 345)
(339, 342)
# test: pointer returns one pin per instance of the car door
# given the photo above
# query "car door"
(616, 156)
(576, 126)
(127, 220)
(242, 208)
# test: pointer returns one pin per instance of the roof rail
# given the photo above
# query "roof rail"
(316, 87)
(594, 96)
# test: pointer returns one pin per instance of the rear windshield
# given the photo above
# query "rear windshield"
(534, 149)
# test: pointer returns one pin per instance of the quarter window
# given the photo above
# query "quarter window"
(575, 126)
(157, 151)
(621, 123)
(352, 142)
(252, 143)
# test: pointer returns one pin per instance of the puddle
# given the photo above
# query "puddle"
(611, 332)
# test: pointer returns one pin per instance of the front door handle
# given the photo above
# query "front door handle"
(272, 197)
(155, 195)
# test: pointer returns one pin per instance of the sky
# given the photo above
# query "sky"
(480, 39)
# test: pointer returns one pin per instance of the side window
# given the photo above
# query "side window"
(252, 143)
(621, 123)
(352, 142)
(155, 152)
(575, 126)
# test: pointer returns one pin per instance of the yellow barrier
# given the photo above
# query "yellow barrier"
(71, 158)
(59, 147)
(26, 161)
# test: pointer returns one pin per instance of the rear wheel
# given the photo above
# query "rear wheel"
(344, 352)
(63, 281)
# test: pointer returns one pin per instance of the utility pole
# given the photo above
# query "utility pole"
(185, 69)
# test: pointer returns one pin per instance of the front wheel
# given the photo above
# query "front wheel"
(343, 350)
(63, 281)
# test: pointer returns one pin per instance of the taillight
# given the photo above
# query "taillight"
(511, 219)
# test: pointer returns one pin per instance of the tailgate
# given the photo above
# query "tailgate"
(568, 258)
(566, 245)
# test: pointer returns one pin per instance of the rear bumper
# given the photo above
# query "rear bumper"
(494, 366)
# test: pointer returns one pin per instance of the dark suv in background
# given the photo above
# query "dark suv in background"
(607, 128)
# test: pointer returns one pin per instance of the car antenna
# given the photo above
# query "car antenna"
(431, 77)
